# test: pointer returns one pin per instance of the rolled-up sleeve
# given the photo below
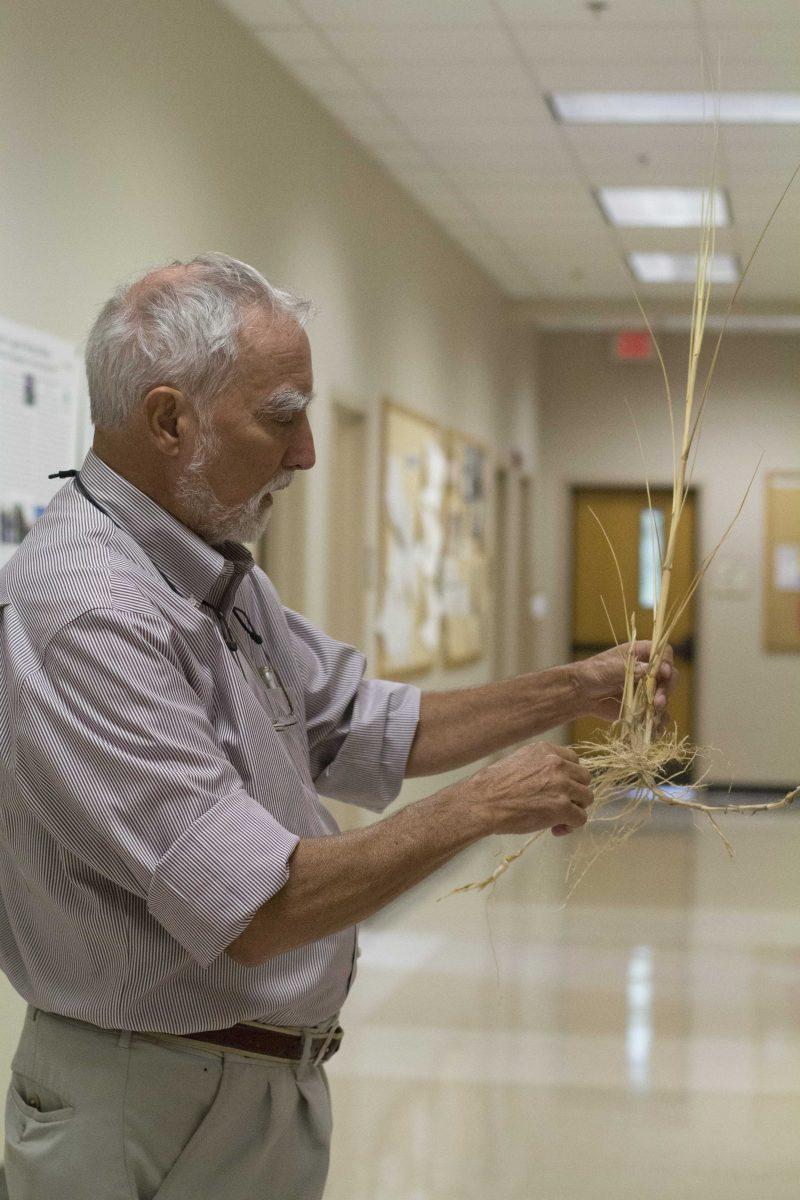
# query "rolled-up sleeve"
(359, 730)
(127, 776)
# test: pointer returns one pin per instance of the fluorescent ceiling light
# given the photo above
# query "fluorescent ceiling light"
(676, 108)
(670, 208)
(681, 268)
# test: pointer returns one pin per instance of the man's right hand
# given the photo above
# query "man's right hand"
(336, 881)
(541, 786)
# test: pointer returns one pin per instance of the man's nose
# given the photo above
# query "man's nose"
(301, 455)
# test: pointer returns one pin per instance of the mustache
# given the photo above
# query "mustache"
(279, 481)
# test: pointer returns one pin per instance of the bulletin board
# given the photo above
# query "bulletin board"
(465, 568)
(413, 483)
(782, 562)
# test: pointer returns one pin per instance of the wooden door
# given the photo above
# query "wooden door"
(501, 625)
(281, 549)
(347, 527)
(635, 534)
(526, 629)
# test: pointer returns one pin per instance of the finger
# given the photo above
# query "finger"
(578, 773)
(560, 830)
(663, 694)
(577, 817)
(566, 753)
(663, 721)
(670, 682)
(582, 796)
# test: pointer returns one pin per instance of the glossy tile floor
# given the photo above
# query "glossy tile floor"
(642, 1040)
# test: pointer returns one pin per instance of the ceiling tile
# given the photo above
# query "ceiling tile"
(674, 241)
(516, 110)
(458, 78)
(503, 265)
(758, 146)
(467, 42)
(765, 43)
(325, 76)
(398, 154)
(396, 12)
(742, 11)
(752, 210)
(485, 157)
(688, 147)
(535, 204)
(432, 132)
(494, 180)
(291, 44)
(358, 107)
(648, 74)
(563, 44)
(625, 13)
(265, 12)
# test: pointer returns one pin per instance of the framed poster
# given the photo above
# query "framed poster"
(782, 562)
(413, 483)
(465, 569)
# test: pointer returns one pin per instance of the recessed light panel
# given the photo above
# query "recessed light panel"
(676, 108)
(662, 207)
(681, 268)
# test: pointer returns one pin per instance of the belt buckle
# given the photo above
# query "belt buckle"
(316, 1060)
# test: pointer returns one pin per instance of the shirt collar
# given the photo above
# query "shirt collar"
(209, 573)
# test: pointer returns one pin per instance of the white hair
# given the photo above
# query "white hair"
(180, 329)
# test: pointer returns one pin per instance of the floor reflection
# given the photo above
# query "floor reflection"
(642, 1040)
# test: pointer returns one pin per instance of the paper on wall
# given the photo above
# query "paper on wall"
(430, 631)
(429, 547)
(38, 390)
(395, 624)
(398, 508)
(786, 567)
(436, 464)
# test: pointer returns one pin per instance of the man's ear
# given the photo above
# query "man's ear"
(167, 414)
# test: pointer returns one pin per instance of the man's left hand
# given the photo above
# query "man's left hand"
(600, 680)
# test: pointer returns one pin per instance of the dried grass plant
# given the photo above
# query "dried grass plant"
(635, 763)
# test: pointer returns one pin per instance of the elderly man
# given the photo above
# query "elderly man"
(178, 908)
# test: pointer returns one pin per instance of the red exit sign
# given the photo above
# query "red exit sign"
(633, 345)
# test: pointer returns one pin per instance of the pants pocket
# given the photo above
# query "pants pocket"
(39, 1144)
(37, 1103)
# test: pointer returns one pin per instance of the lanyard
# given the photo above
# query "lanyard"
(264, 680)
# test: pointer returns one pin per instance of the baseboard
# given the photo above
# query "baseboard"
(774, 790)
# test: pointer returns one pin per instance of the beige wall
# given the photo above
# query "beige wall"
(139, 132)
(748, 700)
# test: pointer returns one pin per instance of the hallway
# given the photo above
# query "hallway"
(642, 1041)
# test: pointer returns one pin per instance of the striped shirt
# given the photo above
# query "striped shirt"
(152, 787)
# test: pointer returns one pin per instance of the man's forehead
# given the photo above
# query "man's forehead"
(277, 352)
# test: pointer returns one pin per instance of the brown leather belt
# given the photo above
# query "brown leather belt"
(274, 1043)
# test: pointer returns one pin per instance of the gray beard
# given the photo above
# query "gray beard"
(217, 522)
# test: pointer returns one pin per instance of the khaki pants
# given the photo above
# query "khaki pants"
(95, 1114)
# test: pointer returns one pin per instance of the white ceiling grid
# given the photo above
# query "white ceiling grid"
(449, 96)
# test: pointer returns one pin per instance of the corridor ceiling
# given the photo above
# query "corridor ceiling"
(450, 96)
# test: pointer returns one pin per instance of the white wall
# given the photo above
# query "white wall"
(749, 701)
(139, 132)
